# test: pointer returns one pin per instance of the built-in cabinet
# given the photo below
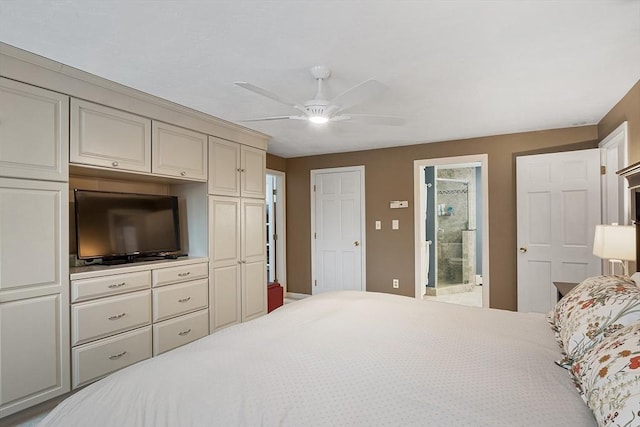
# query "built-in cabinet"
(121, 315)
(34, 132)
(236, 170)
(237, 253)
(110, 138)
(237, 248)
(178, 152)
(114, 139)
(58, 331)
(34, 316)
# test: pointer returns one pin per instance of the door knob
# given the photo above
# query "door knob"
(356, 243)
(523, 249)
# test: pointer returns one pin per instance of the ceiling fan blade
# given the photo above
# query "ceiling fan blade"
(358, 94)
(370, 118)
(266, 119)
(267, 94)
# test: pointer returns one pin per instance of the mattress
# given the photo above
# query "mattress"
(347, 358)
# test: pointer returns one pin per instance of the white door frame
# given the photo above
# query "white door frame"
(363, 245)
(281, 229)
(419, 226)
(616, 139)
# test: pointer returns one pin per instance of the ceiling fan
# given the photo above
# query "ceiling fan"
(320, 109)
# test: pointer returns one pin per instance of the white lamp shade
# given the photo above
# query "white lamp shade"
(615, 242)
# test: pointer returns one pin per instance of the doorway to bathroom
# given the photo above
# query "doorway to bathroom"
(451, 211)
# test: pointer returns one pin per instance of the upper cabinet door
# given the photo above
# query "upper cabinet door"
(224, 167)
(178, 152)
(103, 136)
(252, 172)
(34, 132)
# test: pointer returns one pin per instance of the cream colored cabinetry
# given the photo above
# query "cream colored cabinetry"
(114, 139)
(178, 152)
(34, 315)
(119, 313)
(237, 260)
(110, 138)
(34, 132)
(181, 295)
(236, 169)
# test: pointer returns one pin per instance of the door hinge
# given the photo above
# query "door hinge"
(603, 170)
(315, 235)
(314, 188)
(274, 192)
(315, 283)
(275, 237)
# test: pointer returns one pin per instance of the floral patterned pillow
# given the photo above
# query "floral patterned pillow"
(592, 311)
(608, 378)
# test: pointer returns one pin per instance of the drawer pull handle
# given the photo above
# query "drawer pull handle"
(116, 285)
(185, 274)
(183, 333)
(117, 316)
(184, 299)
(117, 356)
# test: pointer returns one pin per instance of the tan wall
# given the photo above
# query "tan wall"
(389, 176)
(276, 163)
(628, 108)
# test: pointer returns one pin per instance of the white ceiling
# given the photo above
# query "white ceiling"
(455, 69)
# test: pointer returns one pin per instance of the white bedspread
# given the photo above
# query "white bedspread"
(348, 358)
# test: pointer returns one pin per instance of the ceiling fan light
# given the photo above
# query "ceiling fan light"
(318, 119)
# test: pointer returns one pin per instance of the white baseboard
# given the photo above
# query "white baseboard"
(294, 295)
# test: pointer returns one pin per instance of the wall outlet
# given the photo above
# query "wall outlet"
(396, 283)
(378, 225)
(395, 224)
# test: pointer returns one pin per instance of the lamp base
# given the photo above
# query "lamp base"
(612, 266)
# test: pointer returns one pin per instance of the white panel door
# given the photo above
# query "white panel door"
(34, 132)
(338, 231)
(558, 198)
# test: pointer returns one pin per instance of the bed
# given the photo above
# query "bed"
(347, 358)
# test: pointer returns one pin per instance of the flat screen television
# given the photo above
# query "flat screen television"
(123, 226)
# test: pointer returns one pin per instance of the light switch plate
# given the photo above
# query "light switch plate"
(378, 225)
(395, 224)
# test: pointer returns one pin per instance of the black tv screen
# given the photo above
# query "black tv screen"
(123, 225)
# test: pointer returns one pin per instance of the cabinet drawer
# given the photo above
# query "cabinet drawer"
(97, 359)
(170, 301)
(85, 289)
(166, 276)
(108, 316)
(173, 333)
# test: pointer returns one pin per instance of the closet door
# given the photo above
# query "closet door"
(253, 259)
(34, 292)
(224, 262)
(34, 130)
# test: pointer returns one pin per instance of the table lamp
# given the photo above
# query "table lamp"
(617, 243)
